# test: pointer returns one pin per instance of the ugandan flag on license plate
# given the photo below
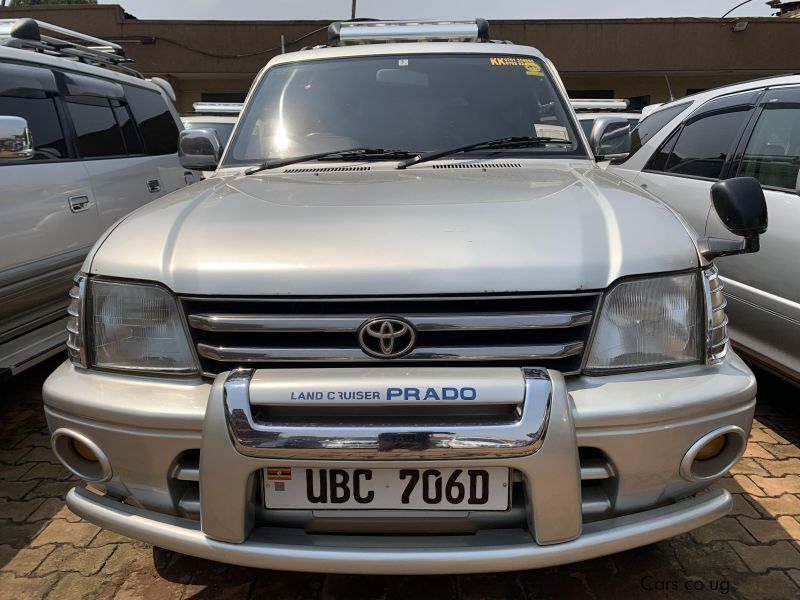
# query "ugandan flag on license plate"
(279, 474)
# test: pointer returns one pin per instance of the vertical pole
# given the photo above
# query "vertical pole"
(353, 11)
(283, 45)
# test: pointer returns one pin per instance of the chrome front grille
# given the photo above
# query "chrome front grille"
(510, 330)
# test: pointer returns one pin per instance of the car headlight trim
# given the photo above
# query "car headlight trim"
(716, 319)
(649, 322)
(76, 344)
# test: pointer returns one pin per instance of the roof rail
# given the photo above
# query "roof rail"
(341, 33)
(230, 108)
(590, 104)
(27, 34)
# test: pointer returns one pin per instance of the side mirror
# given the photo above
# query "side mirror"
(199, 149)
(15, 138)
(742, 208)
(610, 138)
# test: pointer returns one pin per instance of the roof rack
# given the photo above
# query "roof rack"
(27, 34)
(590, 104)
(228, 108)
(344, 33)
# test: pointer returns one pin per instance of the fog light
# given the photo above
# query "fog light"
(712, 448)
(83, 451)
(80, 455)
(713, 454)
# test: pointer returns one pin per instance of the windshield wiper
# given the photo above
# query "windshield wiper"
(507, 142)
(348, 153)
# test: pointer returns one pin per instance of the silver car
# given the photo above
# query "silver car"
(408, 326)
(748, 129)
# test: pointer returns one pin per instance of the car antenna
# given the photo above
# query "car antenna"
(669, 88)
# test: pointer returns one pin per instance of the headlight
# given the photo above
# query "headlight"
(131, 327)
(647, 323)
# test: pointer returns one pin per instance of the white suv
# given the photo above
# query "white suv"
(408, 326)
(81, 146)
(748, 129)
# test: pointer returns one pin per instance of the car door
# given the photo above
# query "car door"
(697, 154)
(123, 176)
(763, 289)
(158, 125)
(48, 216)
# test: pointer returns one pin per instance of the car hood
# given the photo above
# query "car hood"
(483, 227)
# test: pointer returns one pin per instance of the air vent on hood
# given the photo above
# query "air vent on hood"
(324, 169)
(471, 165)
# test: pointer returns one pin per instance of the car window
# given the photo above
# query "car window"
(155, 120)
(43, 121)
(772, 154)
(95, 127)
(130, 134)
(703, 145)
(653, 123)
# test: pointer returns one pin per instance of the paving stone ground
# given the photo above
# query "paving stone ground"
(47, 552)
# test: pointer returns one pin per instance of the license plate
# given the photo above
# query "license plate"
(411, 489)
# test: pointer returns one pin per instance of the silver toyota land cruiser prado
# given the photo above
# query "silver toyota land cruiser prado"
(408, 326)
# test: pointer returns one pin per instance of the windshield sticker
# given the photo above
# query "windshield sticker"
(531, 66)
(556, 132)
(403, 62)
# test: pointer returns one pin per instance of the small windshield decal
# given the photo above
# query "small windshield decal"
(403, 62)
(531, 66)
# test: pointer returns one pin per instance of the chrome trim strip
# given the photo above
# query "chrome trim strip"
(712, 354)
(435, 298)
(458, 353)
(720, 306)
(443, 322)
(720, 325)
(345, 442)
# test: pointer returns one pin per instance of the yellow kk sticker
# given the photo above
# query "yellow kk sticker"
(531, 66)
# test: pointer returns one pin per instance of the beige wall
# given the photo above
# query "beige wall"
(628, 56)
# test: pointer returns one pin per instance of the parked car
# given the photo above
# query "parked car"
(408, 326)
(219, 116)
(748, 129)
(81, 146)
(601, 112)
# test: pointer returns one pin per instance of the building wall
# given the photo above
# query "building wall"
(630, 57)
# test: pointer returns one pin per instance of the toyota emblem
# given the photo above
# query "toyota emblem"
(386, 337)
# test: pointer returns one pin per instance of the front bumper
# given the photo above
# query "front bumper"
(480, 553)
(604, 477)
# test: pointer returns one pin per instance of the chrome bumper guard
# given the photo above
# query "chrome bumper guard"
(540, 443)
(520, 437)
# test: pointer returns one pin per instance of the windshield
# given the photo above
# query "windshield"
(415, 103)
(224, 130)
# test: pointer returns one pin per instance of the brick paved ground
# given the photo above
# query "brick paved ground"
(45, 551)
